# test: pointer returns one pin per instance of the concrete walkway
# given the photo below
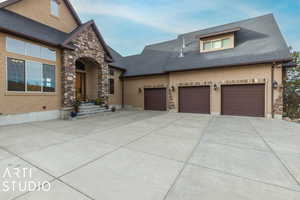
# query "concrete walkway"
(132, 155)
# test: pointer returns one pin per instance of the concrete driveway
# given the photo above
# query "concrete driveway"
(132, 155)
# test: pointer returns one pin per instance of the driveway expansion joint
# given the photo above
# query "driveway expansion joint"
(274, 153)
(186, 162)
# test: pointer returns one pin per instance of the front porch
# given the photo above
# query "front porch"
(84, 71)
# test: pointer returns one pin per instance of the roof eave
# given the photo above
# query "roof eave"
(33, 38)
(219, 66)
(232, 30)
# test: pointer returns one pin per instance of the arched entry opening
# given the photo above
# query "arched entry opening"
(87, 79)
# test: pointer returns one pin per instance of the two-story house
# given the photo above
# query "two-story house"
(49, 59)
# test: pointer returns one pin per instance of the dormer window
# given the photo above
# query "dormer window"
(217, 44)
(216, 41)
(54, 8)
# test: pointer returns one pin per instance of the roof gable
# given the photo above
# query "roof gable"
(66, 22)
(83, 27)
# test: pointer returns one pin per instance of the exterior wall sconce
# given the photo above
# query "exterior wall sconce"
(140, 90)
(216, 86)
(173, 88)
(275, 84)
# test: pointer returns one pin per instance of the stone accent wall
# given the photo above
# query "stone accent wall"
(87, 46)
(171, 100)
(278, 106)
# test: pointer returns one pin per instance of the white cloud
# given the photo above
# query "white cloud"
(171, 17)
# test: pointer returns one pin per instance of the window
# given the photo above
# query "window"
(226, 43)
(29, 49)
(48, 54)
(217, 44)
(33, 50)
(207, 45)
(15, 75)
(111, 71)
(15, 46)
(48, 78)
(111, 86)
(54, 8)
(34, 76)
(30, 76)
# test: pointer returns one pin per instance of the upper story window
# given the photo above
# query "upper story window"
(217, 44)
(54, 8)
(29, 49)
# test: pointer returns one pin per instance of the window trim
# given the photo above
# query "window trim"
(25, 71)
(25, 53)
(202, 42)
(110, 87)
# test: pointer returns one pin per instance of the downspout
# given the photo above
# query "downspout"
(272, 89)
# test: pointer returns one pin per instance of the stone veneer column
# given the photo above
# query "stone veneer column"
(171, 101)
(87, 46)
(278, 92)
(68, 78)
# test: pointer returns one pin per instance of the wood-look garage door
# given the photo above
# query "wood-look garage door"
(155, 99)
(243, 100)
(194, 99)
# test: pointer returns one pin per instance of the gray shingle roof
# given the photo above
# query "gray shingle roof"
(17, 24)
(14, 23)
(259, 40)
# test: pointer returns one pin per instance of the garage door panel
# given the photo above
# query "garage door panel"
(243, 100)
(155, 99)
(194, 99)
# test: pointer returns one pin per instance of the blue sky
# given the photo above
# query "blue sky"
(129, 25)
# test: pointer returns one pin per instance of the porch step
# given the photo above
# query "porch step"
(88, 109)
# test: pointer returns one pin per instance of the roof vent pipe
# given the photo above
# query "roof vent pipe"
(181, 55)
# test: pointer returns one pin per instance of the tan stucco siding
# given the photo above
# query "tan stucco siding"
(222, 75)
(21, 102)
(132, 96)
(39, 10)
(229, 75)
(116, 98)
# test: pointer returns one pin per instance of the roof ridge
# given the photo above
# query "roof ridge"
(231, 23)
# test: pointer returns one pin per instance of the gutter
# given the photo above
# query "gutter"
(210, 67)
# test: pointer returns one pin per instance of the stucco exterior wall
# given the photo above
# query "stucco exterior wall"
(21, 102)
(39, 10)
(133, 97)
(116, 98)
(229, 75)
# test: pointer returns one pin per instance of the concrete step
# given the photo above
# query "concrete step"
(87, 104)
(89, 107)
(92, 112)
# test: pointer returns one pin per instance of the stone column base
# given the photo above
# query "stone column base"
(65, 113)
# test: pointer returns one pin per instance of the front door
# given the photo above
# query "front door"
(80, 86)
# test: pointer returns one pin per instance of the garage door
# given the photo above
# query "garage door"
(243, 100)
(194, 99)
(155, 99)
